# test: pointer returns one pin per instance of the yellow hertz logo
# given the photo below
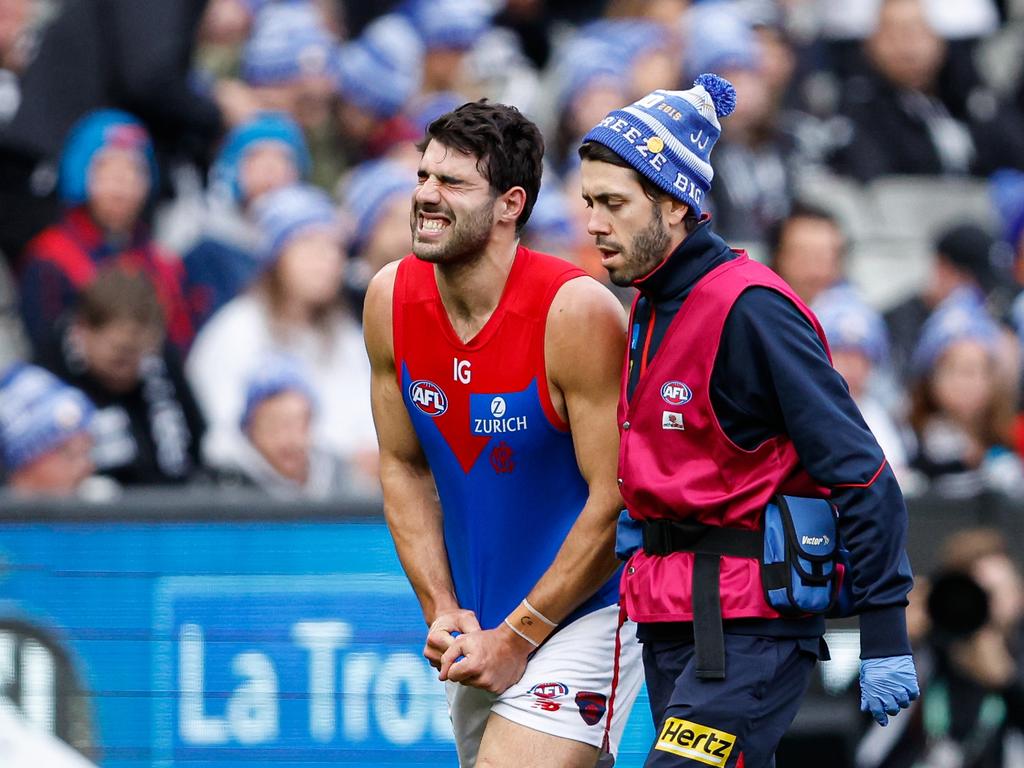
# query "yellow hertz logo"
(697, 742)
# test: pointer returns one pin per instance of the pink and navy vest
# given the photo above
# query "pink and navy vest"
(501, 456)
(676, 462)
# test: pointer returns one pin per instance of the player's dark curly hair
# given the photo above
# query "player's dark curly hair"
(509, 148)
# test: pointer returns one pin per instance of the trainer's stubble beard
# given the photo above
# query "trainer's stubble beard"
(647, 250)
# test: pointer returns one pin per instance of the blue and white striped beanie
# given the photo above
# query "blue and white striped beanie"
(721, 37)
(850, 324)
(584, 61)
(48, 414)
(959, 318)
(368, 191)
(289, 42)
(380, 71)
(284, 213)
(275, 374)
(451, 24)
(667, 136)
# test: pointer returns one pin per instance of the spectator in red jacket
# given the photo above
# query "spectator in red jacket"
(107, 174)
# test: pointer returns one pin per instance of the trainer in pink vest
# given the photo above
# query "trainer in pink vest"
(676, 462)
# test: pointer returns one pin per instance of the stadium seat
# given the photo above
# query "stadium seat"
(916, 206)
(889, 269)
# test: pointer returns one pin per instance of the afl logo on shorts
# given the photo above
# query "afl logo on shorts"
(428, 397)
(549, 690)
(675, 393)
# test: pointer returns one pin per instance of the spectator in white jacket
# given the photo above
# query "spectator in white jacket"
(293, 307)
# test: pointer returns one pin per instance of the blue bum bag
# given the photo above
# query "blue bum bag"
(801, 568)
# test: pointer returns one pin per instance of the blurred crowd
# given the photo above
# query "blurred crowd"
(194, 195)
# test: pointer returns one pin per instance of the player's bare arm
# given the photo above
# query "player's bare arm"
(584, 349)
(411, 507)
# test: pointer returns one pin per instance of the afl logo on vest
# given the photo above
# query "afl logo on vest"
(675, 393)
(428, 397)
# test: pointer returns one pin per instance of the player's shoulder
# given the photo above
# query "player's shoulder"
(582, 300)
(384, 281)
(378, 309)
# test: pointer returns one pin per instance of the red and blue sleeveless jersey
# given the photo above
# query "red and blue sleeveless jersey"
(502, 458)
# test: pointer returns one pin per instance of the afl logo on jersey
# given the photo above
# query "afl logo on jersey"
(428, 397)
(675, 393)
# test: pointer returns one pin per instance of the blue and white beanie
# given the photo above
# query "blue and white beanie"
(97, 131)
(960, 320)
(369, 190)
(284, 213)
(265, 127)
(720, 37)
(44, 421)
(850, 324)
(667, 136)
(380, 71)
(450, 24)
(585, 62)
(289, 42)
(274, 375)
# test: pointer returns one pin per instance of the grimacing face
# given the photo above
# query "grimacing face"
(628, 227)
(452, 217)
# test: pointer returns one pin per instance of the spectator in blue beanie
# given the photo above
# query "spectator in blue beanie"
(648, 52)
(375, 77)
(962, 404)
(449, 29)
(107, 175)
(281, 455)
(294, 307)
(762, 151)
(859, 345)
(46, 443)
(259, 156)
(377, 199)
(963, 264)
(591, 83)
(288, 61)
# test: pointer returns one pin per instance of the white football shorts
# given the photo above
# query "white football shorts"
(566, 690)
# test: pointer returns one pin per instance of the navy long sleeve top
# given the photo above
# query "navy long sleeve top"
(772, 376)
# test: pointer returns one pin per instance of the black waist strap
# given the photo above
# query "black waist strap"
(708, 543)
(662, 537)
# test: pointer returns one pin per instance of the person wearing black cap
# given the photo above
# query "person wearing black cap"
(964, 260)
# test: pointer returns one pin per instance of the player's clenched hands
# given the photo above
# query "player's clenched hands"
(439, 636)
(492, 659)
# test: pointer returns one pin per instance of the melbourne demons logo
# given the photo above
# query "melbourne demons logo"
(428, 397)
(675, 393)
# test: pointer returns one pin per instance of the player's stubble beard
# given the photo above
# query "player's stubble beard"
(647, 249)
(467, 236)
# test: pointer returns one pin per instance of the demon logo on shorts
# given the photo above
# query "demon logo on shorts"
(592, 706)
